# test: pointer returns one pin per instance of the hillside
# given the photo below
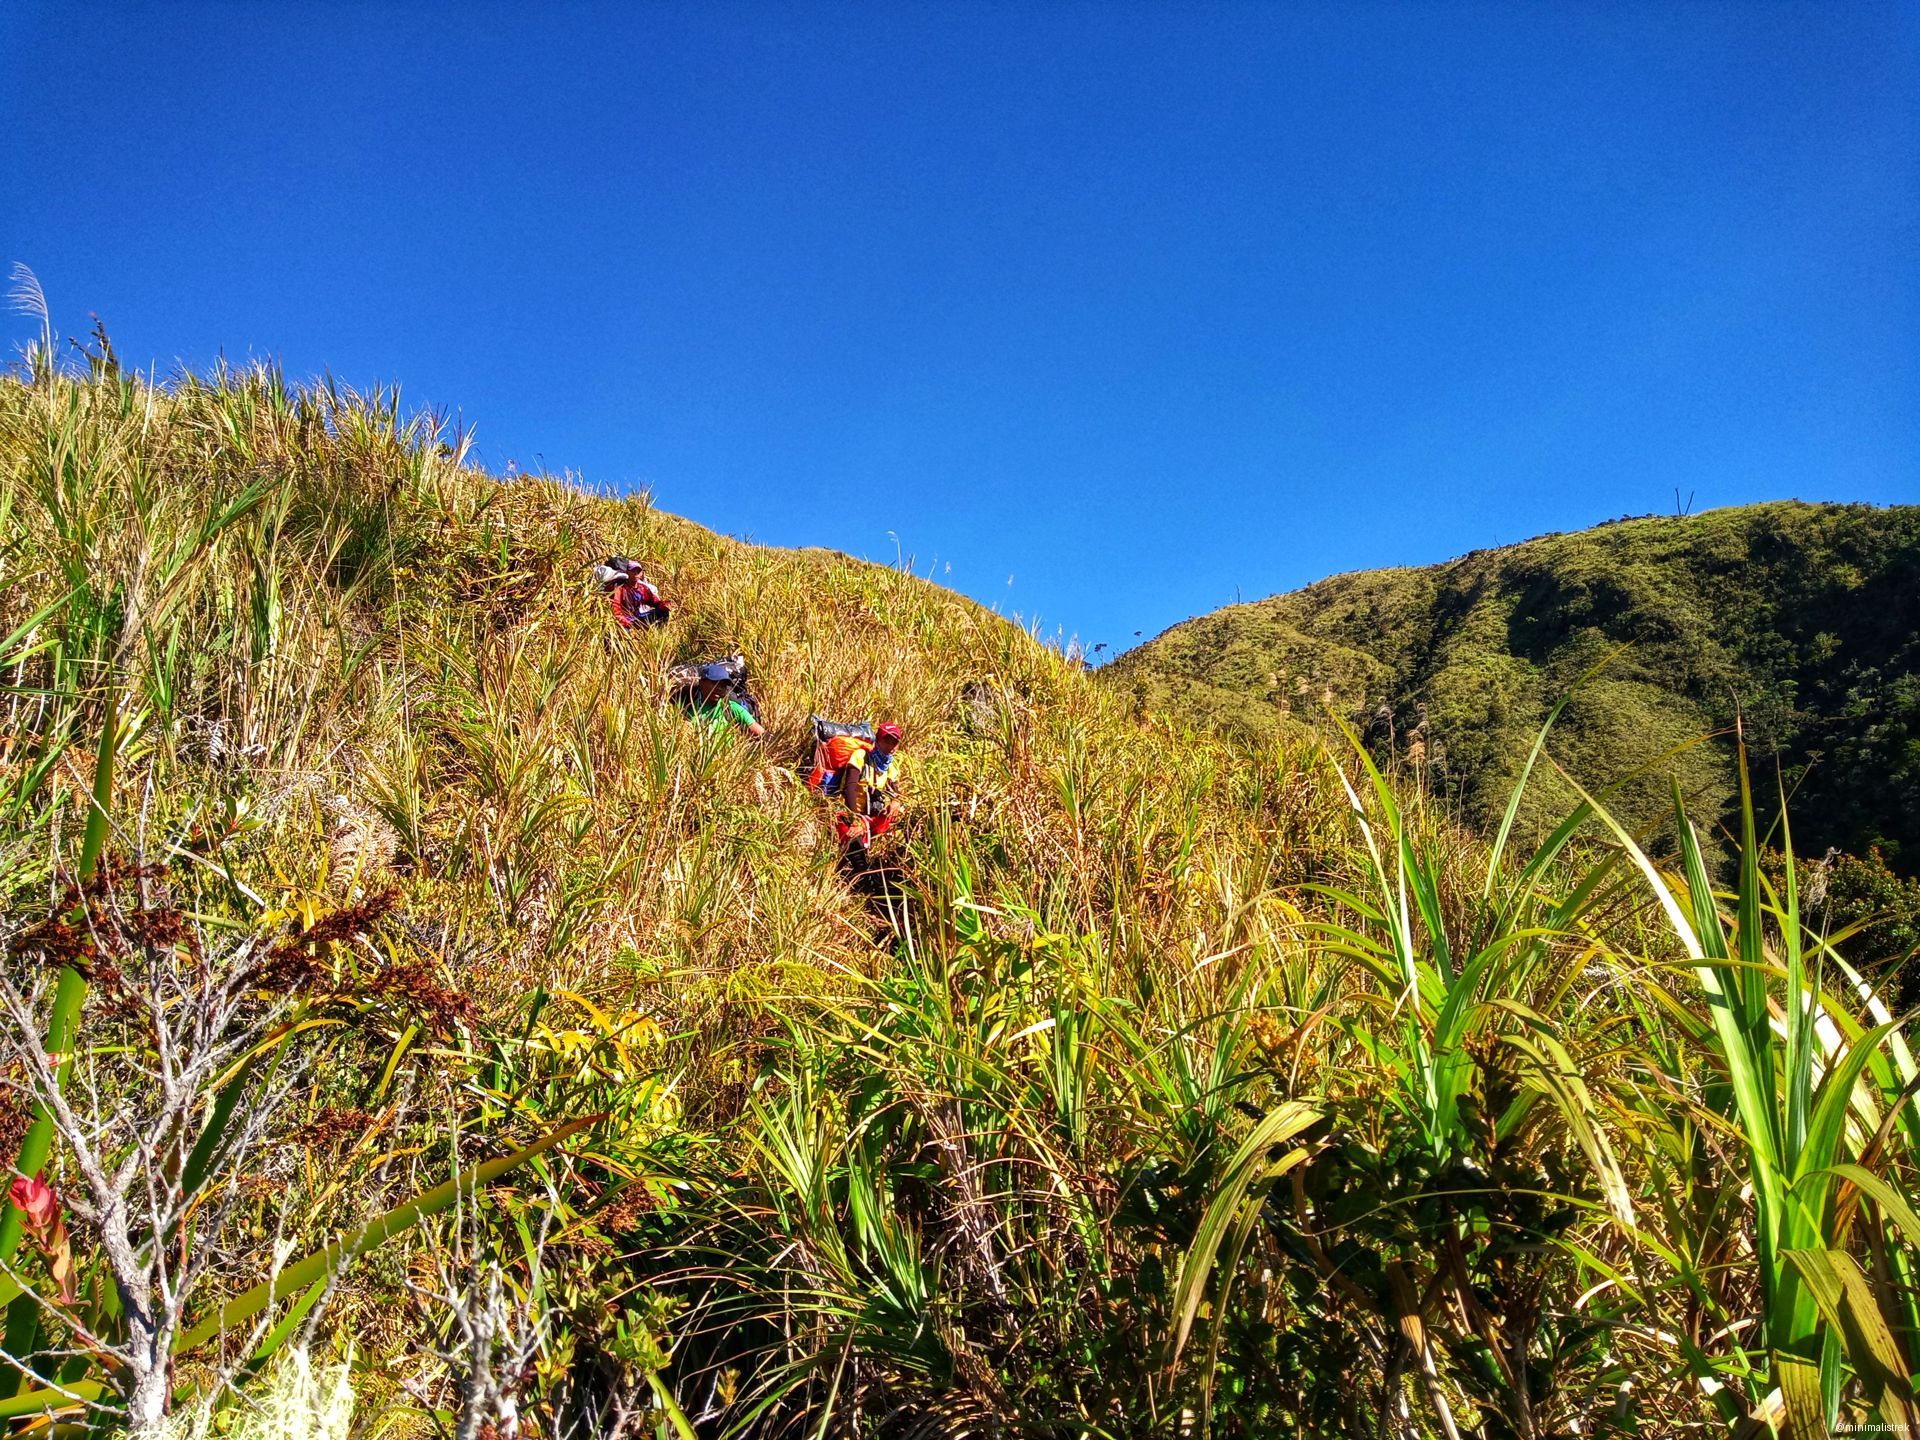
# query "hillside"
(394, 977)
(1802, 620)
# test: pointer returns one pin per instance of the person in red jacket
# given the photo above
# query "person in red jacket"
(635, 602)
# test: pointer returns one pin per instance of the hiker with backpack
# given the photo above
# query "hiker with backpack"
(719, 698)
(855, 764)
(634, 599)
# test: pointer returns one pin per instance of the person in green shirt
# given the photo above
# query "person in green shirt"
(713, 703)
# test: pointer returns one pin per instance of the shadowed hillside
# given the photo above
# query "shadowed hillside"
(393, 973)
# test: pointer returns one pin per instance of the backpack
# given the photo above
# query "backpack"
(683, 684)
(824, 731)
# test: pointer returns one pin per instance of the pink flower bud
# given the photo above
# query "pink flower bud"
(36, 1198)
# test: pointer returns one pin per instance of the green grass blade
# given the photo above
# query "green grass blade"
(1248, 1166)
(68, 996)
(1800, 1000)
(37, 1402)
(1845, 1299)
(1526, 771)
(1826, 1126)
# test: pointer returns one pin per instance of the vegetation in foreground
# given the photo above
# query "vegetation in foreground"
(391, 972)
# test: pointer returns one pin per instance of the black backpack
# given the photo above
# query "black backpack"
(684, 683)
(825, 729)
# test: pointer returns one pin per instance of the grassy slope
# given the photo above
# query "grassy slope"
(400, 647)
(915, 1181)
(1804, 618)
(392, 669)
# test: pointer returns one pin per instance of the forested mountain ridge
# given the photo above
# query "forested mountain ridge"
(1801, 620)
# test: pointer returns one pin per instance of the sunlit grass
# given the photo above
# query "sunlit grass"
(1187, 1083)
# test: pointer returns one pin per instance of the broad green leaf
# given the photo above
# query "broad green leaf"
(1845, 1299)
(36, 1402)
(1826, 1128)
(1800, 1388)
(1248, 1166)
(1889, 1199)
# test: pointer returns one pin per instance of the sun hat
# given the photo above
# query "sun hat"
(715, 671)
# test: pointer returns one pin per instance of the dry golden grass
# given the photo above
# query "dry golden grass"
(977, 1144)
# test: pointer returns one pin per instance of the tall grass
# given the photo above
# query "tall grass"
(1180, 1085)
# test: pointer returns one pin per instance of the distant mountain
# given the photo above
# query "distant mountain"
(1803, 620)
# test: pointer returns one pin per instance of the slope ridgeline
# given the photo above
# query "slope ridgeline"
(1803, 621)
(390, 925)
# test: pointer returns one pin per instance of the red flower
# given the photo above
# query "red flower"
(36, 1198)
(49, 1231)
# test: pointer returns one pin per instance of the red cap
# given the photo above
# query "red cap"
(887, 730)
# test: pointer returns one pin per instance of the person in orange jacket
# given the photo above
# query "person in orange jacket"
(863, 775)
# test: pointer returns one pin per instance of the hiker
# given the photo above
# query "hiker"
(855, 765)
(635, 601)
(714, 701)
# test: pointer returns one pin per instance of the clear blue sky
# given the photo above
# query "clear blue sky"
(1143, 307)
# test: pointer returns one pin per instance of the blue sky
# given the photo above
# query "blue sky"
(1109, 313)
